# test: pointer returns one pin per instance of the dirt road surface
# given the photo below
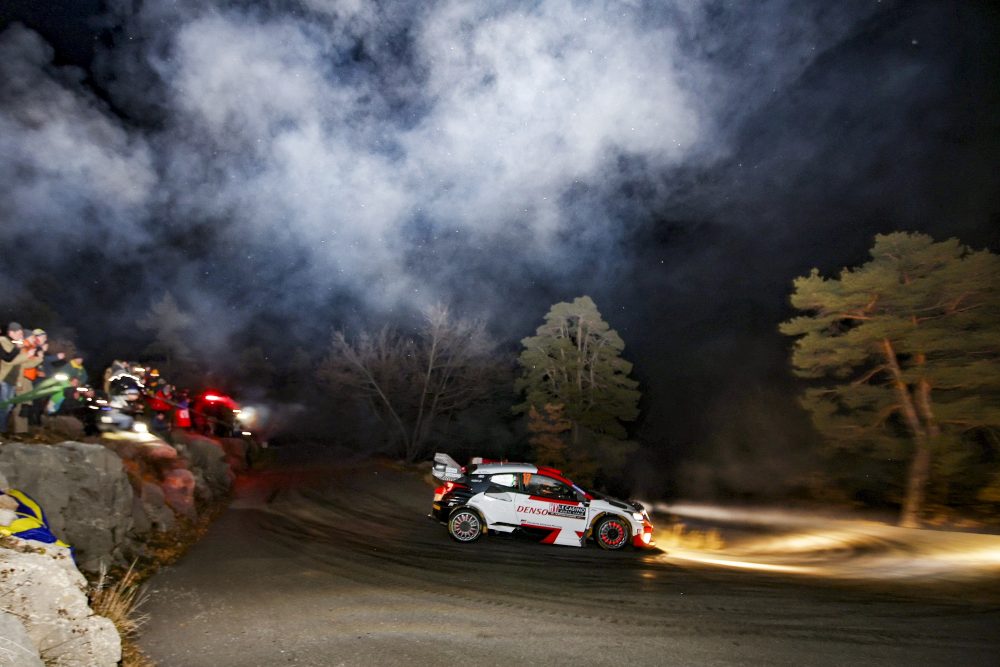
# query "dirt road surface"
(339, 565)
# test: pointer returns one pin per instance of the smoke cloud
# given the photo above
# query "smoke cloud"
(288, 166)
(358, 145)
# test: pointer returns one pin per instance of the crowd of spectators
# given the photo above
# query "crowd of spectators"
(37, 379)
(136, 390)
(34, 379)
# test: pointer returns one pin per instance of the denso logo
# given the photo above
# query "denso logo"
(531, 510)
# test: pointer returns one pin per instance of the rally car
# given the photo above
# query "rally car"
(522, 498)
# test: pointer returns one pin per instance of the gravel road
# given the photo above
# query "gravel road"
(338, 565)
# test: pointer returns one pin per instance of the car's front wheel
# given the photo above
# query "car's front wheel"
(464, 525)
(611, 533)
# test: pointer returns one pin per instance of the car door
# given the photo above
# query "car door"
(552, 509)
(497, 502)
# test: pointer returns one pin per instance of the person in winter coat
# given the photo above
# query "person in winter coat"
(34, 347)
(182, 415)
(37, 340)
(12, 356)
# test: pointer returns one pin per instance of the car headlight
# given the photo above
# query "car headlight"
(638, 516)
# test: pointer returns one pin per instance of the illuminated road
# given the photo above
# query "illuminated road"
(350, 571)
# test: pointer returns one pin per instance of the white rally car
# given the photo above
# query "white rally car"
(535, 501)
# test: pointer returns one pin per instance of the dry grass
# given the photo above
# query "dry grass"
(120, 601)
(680, 537)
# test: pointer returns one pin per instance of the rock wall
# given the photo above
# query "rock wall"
(45, 592)
(103, 498)
(209, 463)
(84, 491)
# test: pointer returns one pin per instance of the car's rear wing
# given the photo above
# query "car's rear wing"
(446, 468)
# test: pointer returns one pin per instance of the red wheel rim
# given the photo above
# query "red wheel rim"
(612, 533)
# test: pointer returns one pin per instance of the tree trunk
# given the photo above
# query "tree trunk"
(916, 479)
(920, 467)
(916, 483)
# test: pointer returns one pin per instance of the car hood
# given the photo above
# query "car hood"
(607, 502)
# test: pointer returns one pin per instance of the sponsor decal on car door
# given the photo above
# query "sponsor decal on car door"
(545, 504)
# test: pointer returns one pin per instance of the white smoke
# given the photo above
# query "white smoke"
(68, 169)
(342, 138)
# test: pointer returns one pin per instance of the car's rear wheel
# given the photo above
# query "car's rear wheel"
(611, 533)
(464, 525)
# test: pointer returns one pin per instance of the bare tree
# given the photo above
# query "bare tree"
(413, 382)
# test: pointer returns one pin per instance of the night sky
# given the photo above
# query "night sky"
(285, 168)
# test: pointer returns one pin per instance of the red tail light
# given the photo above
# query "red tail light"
(441, 491)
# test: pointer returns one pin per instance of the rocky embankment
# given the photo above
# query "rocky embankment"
(106, 500)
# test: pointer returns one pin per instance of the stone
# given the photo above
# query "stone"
(65, 426)
(236, 453)
(46, 592)
(154, 504)
(84, 492)
(207, 459)
(141, 523)
(178, 490)
(16, 647)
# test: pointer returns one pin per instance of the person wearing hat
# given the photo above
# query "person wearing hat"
(12, 357)
(38, 342)
(34, 347)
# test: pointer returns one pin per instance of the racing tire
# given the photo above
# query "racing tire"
(612, 533)
(465, 525)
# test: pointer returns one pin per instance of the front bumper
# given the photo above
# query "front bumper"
(644, 538)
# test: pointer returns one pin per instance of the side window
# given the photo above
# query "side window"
(506, 481)
(546, 487)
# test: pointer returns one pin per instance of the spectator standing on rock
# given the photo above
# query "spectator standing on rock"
(75, 370)
(116, 368)
(34, 349)
(50, 369)
(182, 415)
(161, 404)
(12, 355)
(38, 342)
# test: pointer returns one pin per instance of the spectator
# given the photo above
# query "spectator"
(33, 348)
(182, 415)
(161, 404)
(116, 368)
(76, 371)
(12, 356)
(33, 411)
(152, 381)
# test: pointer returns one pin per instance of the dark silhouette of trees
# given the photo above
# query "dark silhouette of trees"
(415, 382)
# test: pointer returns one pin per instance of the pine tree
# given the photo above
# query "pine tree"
(547, 427)
(574, 360)
(905, 352)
